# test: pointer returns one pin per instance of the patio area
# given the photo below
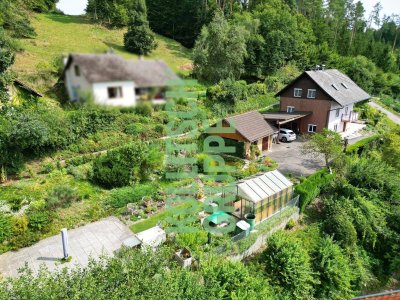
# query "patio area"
(353, 131)
(90, 241)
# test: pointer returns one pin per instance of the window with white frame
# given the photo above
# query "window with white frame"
(335, 127)
(114, 92)
(290, 109)
(312, 128)
(337, 112)
(311, 93)
(298, 92)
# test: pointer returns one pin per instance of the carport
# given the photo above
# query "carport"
(281, 118)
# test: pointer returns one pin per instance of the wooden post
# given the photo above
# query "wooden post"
(279, 129)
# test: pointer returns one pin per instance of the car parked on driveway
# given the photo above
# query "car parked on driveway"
(286, 135)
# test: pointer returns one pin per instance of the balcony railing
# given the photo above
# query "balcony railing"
(350, 117)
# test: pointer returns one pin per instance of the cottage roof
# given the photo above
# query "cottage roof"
(111, 67)
(262, 186)
(251, 125)
(337, 85)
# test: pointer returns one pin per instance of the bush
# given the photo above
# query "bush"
(126, 165)
(290, 224)
(360, 146)
(135, 129)
(38, 219)
(310, 188)
(120, 197)
(288, 266)
(334, 271)
(5, 227)
(228, 93)
(160, 128)
(144, 109)
(257, 88)
(86, 121)
(341, 228)
(61, 196)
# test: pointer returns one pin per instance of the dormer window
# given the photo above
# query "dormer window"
(335, 87)
(298, 92)
(77, 71)
(311, 93)
(345, 86)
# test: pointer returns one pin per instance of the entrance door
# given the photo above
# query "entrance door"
(265, 143)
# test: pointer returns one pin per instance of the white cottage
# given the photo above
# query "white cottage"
(114, 81)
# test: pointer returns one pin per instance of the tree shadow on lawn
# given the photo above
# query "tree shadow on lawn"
(65, 19)
(117, 47)
(175, 48)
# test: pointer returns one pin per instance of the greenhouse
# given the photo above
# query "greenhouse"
(263, 195)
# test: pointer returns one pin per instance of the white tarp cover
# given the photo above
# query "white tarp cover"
(152, 237)
(262, 186)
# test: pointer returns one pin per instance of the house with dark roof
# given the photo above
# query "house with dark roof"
(250, 129)
(318, 99)
(111, 80)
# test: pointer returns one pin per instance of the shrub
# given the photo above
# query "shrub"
(257, 88)
(47, 168)
(88, 121)
(341, 228)
(5, 227)
(359, 146)
(334, 271)
(228, 93)
(61, 196)
(120, 197)
(290, 224)
(288, 266)
(144, 109)
(126, 165)
(239, 147)
(135, 129)
(192, 240)
(160, 128)
(38, 219)
(310, 188)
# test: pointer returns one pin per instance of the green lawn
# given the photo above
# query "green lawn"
(59, 35)
(160, 216)
(149, 222)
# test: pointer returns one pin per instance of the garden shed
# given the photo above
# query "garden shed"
(263, 195)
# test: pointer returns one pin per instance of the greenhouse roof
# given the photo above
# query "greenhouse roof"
(262, 186)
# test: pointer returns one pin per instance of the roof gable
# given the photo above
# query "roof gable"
(336, 85)
(110, 67)
(251, 125)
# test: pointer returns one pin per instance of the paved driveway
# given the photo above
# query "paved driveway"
(291, 160)
(92, 240)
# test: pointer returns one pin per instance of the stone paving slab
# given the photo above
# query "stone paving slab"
(92, 240)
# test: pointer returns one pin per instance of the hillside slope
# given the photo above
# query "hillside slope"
(59, 35)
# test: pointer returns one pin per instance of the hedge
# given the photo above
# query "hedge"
(359, 146)
(311, 187)
(239, 147)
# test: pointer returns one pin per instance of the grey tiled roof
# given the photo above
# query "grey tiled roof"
(251, 125)
(346, 91)
(111, 67)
